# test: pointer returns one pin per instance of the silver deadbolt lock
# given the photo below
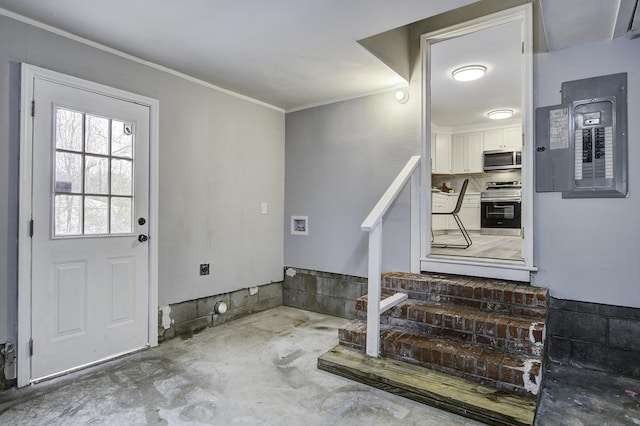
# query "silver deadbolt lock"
(142, 221)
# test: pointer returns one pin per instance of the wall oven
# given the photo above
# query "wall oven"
(500, 208)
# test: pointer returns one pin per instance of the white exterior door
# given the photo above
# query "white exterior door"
(90, 210)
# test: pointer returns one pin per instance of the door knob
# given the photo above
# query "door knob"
(142, 238)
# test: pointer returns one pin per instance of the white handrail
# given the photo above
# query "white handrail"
(390, 194)
(373, 225)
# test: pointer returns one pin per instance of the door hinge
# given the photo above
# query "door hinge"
(523, 47)
(523, 233)
(31, 228)
(30, 347)
(33, 108)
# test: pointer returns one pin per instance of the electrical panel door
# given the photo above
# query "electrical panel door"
(554, 156)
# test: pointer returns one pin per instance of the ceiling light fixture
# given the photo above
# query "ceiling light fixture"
(500, 114)
(402, 95)
(469, 72)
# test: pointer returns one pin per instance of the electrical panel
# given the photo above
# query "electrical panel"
(581, 145)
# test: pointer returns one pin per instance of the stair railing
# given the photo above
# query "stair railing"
(373, 225)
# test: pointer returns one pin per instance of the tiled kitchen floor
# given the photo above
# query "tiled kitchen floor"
(483, 246)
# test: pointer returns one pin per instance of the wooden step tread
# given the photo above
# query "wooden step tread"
(430, 387)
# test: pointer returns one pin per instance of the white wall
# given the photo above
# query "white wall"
(589, 249)
(340, 158)
(220, 157)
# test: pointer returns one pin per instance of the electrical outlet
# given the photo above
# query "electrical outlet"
(263, 208)
(204, 269)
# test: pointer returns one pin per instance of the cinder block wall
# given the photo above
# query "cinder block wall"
(195, 315)
(323, 292)
(4, 382)
(595, 336)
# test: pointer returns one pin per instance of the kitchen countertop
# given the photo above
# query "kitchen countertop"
(437, 191)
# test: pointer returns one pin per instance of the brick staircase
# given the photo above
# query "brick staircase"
(487, 331)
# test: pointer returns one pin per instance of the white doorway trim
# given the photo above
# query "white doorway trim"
(29, 74)
(513, 271)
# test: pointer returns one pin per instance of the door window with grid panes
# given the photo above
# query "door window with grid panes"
(93, 175)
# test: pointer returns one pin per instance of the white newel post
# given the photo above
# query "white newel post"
(415, 221)
(373, 298)
(373, 225)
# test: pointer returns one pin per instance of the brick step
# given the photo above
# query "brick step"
(496, 296)
(519, 374)
(513, 334)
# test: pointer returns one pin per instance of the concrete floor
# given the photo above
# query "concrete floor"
(261, 370)
(577, 397)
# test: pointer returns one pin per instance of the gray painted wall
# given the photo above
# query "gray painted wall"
(341, 157)
(588, 250)
(220, 157)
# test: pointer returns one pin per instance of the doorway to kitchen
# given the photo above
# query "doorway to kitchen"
(478, 119)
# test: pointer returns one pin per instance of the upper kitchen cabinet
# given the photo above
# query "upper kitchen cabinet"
(505, 138)
(441, 154)
(466, 152)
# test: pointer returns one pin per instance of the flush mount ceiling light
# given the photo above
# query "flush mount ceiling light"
(402, 95)
(500, 114)
(469, 72)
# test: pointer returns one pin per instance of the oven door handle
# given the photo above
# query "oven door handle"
(501, 200)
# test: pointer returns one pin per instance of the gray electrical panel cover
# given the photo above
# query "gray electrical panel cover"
(581, 145)
(553, 149)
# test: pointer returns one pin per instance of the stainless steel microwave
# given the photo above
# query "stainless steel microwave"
(502, 159)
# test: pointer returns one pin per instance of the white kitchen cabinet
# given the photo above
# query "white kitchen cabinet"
(493, 139)
(475, 146)
(441, 160)
(513, 137)
(459, 153)
(439, 203)
(466, 152)
(505, 138)
(433, 152)
(470, 212)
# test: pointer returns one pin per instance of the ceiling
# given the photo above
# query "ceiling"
(457, 104)
(290, 54)
(287, 53)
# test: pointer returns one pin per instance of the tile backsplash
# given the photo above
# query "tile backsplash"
(477, 181)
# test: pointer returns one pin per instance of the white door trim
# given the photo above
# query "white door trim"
(29, 74)
(519, 272)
